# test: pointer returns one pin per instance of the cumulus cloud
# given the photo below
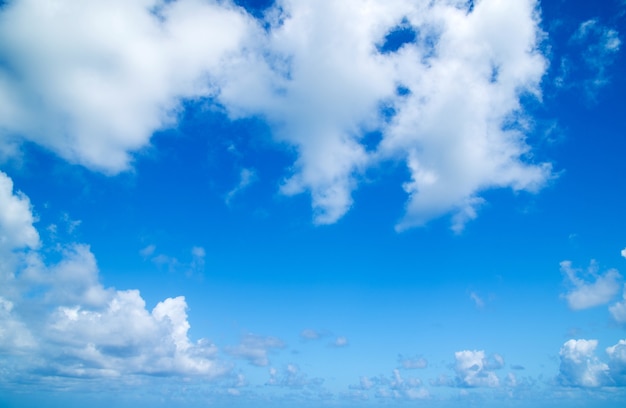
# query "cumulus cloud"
(589, 288)
(623, 253)
(255, 349)
(473, 369)
(58, 319)
(579, 365)
(16, 218)
(93, 80)
(617, 363)
(446, 101)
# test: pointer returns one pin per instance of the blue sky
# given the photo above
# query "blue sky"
(312, 203)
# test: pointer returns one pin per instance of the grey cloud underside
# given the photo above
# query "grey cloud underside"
(445, 99)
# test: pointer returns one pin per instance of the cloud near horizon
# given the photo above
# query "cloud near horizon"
(324, 75)
(75, 327)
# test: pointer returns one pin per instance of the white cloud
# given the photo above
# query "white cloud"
(310, 334)
(584, 294)
(57, 319)
(448, 128)
(478, 301)
(617, 362)
(255, 349)
(95, 95)
(124, 337)
(623, 253)
(396, 387)
(618, 310)
(292, 377)
(579, 366)
(598, 47)
(340, 342)
(246, 178)
(412, 363)
(473, 369)
(317, 75)
(16, 218)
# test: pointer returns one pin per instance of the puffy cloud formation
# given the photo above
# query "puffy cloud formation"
(580, 367)
(599, 290)
(75, 327)
(473, 369)
(16, 218)
(94, 80)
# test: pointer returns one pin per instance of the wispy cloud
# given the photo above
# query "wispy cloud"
(590, 288)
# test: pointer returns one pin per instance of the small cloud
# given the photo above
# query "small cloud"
(340, 342)
(246, 178)
(411, 363)
(618, 310)
(589, 288)
(473, 369)
(517, 367)
(147, 251)
(310, 334)
(478, 301)
(624, 252)
(255, 349)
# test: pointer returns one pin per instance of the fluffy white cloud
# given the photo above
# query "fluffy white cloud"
(617, 362)
(255, 349)
(16, 218)
(624, 252)
(579, 365)
(59, 320)
(93, 80)
(321, 73)
(124, 337)
(590, 288)
(473, 369)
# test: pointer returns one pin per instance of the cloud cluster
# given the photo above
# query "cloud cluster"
(63, 322)
(580, 367)
(292, 377)
(590, 288)
(93, 81)
(474, 369)
(394, 387)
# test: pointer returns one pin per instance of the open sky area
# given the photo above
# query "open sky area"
(312, 203)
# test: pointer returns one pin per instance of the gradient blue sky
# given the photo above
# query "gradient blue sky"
(312, 203)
